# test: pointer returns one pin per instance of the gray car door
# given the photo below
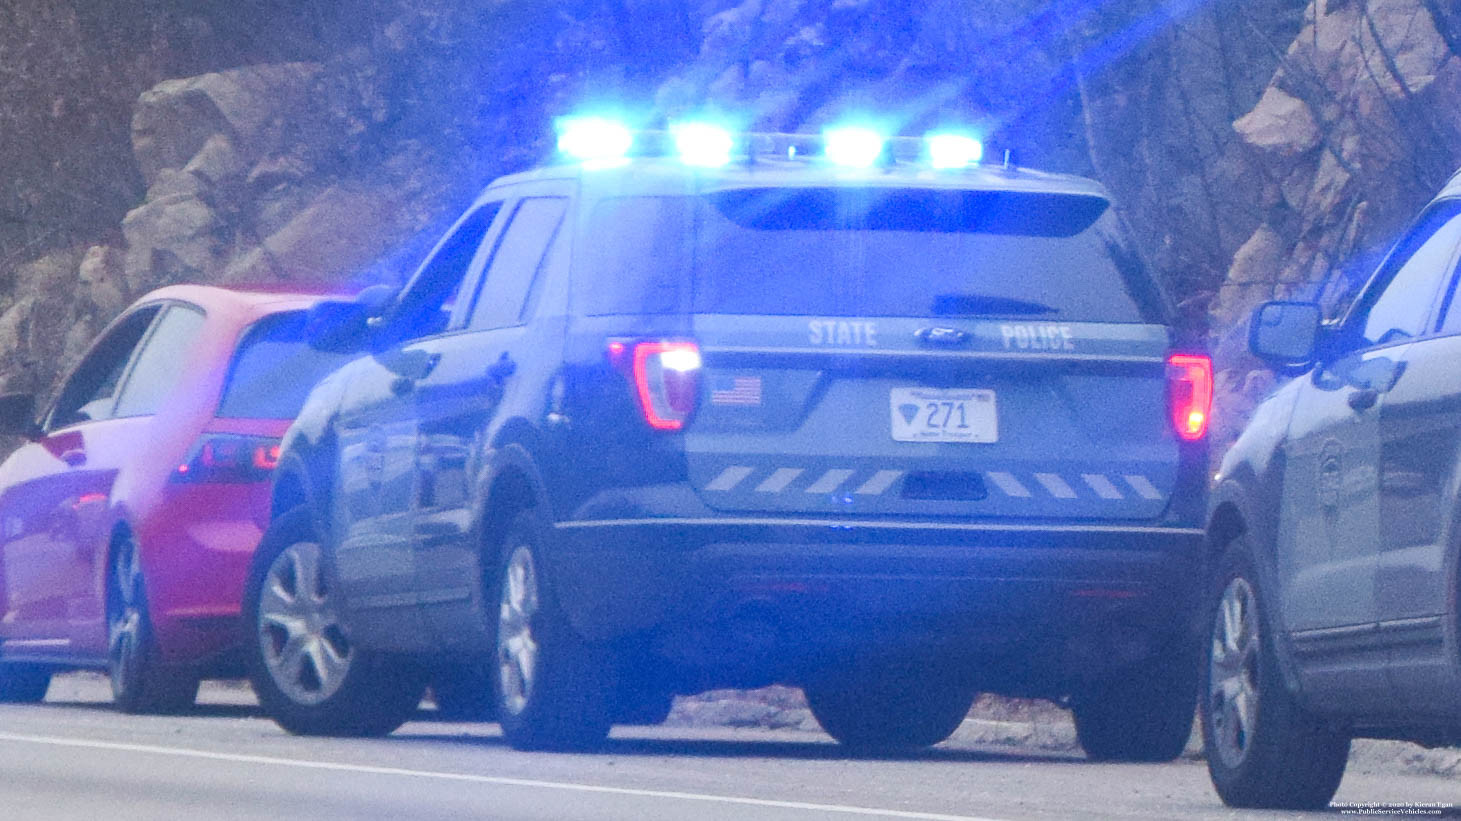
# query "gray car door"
(1330, 522)
(1420, 467)
(373, 558)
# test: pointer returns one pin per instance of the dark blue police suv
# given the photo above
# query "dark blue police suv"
(696, 410)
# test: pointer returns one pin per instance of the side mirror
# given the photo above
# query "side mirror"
(1285, 334)
(345, 327)
(17, 415)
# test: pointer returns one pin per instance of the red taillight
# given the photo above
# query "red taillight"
(666, 381)
(1189, 394)
(229, 458)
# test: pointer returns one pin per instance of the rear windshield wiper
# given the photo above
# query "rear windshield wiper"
(978, 304)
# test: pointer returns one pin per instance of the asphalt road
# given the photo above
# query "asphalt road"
(73, 757)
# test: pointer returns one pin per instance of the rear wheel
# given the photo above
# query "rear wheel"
(1263, 749)
(142, 682)
(552, 686)
(1145, 714)
(308, 675)
(890, 709)
(23, 683)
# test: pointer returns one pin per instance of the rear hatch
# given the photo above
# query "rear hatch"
(916, 352)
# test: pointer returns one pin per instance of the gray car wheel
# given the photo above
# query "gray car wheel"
(1263, 749)
(141, 680)
(309, 676)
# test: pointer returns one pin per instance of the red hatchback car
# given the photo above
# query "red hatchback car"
(128, 519)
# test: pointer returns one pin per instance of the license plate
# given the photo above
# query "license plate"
(944, 415)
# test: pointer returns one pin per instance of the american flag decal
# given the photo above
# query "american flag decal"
(737, 390)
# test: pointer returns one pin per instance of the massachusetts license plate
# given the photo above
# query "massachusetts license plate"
(944, 415)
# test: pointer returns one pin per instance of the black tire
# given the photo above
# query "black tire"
(23, 683)
(314, 681)
(464, 692)
(142, 681)
(1146, 713)
(552, 687)
(892, 708)
(1281, 757)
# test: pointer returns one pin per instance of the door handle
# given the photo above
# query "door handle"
(1363, 400)
(502, 368)
(74, 457)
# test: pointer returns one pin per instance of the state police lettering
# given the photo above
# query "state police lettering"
(839, 332)
(1041, 337)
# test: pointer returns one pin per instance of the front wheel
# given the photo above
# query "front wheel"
(1263, 749)
(552, 686)
(142, 682)
(891, 709)
(307, 674)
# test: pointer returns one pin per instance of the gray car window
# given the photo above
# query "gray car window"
(159, 364)
(90, 392)
(1412, 276)
(504, 290)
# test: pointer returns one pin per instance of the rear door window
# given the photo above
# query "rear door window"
(274, 369)
(159, 365)
(503, 295)
(866, 252)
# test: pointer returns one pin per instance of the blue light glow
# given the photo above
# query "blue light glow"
(953, 150)
(853, 146)
(702, 144)
(594, 139)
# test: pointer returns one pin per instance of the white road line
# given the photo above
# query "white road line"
(568, 786)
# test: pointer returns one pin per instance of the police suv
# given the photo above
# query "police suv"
(693, 410)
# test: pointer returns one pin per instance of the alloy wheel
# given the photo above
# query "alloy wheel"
(517, 648)
(124, 624)
(304, 647)
(1233, 689)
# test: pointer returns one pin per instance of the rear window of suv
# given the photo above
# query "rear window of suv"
(864, 252)
(274, 369)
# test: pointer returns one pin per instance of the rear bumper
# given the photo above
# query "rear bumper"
(1073, 599)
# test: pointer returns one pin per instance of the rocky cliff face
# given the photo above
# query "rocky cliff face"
(1258, 147)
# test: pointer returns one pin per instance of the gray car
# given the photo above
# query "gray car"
(1333, 609)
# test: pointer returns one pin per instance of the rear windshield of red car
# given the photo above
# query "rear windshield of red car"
(273, 370)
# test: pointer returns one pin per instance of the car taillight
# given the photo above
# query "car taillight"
(666, 377)
(1189, 394)
(229, 458)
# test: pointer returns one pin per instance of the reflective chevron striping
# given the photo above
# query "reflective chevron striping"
(1056, 485)
(1007, 483)
(778, 480)
(1142, 486)
(881, 481)
(830, 481)
(1102, 486)
(729, 478)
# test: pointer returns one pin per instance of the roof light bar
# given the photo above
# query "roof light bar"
(590, 139)
(603, 142)
(852, 146)
(946, 151)
(702, 144)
